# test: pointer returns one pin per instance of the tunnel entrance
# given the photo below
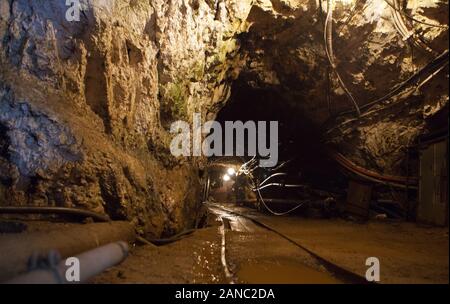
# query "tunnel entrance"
(304, 174)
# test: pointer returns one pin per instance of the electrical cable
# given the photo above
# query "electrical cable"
(267, 207)
(177, 237)
(54, 210)
(412, 18)
(243, 168)
(352, 14)
(328, 38)
(274, 212)
(388, 180)
(397, 89)
(405, 32)
(435, 65)
(278, 185)
(255, 186)
(282, 165)
(272, 176)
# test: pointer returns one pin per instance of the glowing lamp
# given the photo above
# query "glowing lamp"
(231, 171)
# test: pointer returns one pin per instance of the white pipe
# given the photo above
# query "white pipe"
(91, 263)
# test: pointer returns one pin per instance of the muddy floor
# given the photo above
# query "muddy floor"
(236, 249)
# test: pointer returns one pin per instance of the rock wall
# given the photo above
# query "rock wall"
(86, 106)
(285, 51)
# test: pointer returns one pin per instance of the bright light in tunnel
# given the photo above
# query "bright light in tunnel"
(231, 171)
(226, 177)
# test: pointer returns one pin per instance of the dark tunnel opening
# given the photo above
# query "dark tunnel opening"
(224, 142)
(299, 139)
(304, 173)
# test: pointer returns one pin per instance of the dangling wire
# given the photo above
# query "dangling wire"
(412, 18)
(274, 212)
(256, 187)
(272, 176)
(328, 38)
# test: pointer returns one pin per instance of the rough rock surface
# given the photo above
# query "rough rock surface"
(285, 52)
(85, 106)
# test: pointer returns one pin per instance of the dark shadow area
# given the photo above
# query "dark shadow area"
(299, 142)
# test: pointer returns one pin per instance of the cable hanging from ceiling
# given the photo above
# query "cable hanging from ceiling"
(247, 169)
(407, 34)
(435, 66)
(328, 38)
(430, 70)
(412, 18)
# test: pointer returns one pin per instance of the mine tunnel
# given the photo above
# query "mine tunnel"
(223, 142)
(303, 162)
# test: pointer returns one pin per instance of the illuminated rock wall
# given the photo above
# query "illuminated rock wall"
(86, 106)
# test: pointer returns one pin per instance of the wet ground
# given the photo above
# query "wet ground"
(235, 248)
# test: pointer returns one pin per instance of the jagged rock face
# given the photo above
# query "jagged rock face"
(86, 106)
(285, 51)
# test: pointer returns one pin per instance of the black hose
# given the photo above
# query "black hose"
(412, 18)
(176, 237)
(434, 65)
(54, 210)
(328, 38)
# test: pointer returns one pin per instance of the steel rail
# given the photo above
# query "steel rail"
(340, 272)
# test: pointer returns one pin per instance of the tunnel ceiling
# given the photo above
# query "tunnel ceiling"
(85, 106)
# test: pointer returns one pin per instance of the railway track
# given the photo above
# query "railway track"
(340, 273)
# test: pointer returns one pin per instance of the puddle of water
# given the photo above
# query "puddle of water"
(286, 273)
(206, 268)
